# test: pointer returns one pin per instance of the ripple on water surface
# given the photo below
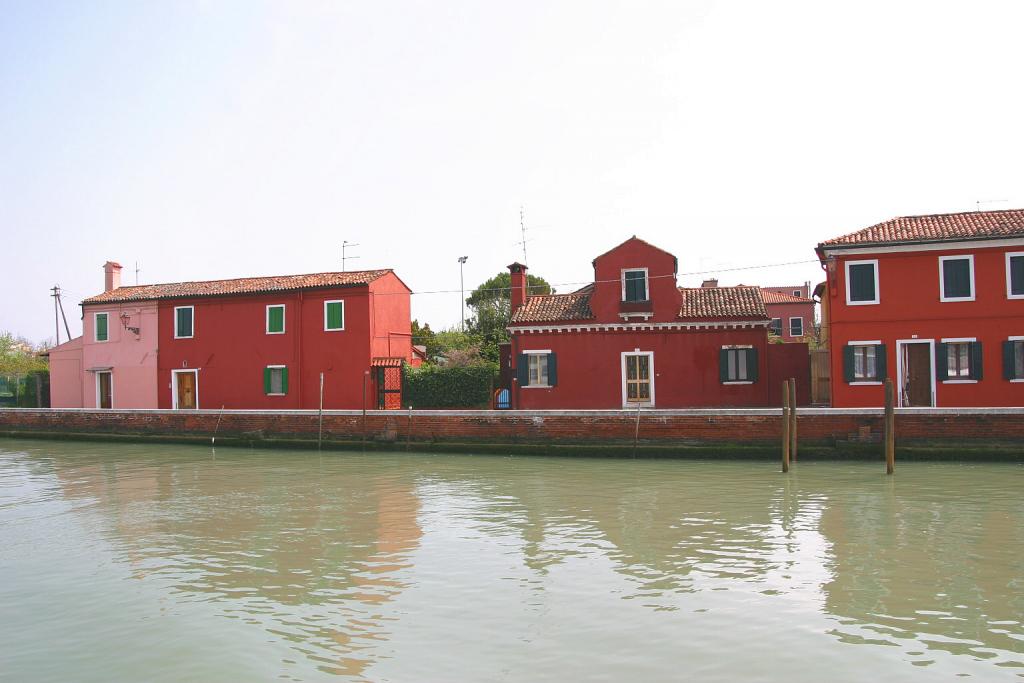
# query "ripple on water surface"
(167, 563)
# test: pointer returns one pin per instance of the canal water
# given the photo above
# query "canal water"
(169, 563)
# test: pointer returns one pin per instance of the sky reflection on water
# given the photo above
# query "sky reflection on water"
(167, 562)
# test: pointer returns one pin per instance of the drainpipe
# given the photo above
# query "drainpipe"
(298, 341)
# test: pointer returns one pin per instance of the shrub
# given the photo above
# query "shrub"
(466, 386)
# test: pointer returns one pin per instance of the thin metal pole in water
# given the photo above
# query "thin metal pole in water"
(213, 440)
(792, 419)
(785, 426)
(636, 432)
(320, 429)
(890, 427)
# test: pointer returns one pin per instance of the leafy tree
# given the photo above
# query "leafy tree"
(18, 356)
(448, 347)
(491, 304)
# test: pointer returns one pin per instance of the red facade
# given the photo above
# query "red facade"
(791, 311)
(227, 357)
(941, 316)
(634, 338)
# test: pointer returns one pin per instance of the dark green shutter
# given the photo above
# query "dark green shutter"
(848, 363)
(941, 361)
(723, 365)
(522, 370)
(276, 319)
(977, 363)
(881, 362)
(284, 380)
(1009, 369)
(334, 316)
(1016, 275)
(552, 370)
(752, 373)
(184, 322)
(862, 282)
(266, 380)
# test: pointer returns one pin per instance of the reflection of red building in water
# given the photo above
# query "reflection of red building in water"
(264, 342)
(634, 338)
(934, 302)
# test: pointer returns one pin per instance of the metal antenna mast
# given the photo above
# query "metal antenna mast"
(136, 272)
(345, 245)
(978, 203)
(522, 227)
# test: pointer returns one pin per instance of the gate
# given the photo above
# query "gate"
(389, 382)
(821, 377)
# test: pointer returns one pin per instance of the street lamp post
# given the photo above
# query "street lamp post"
(462, 290)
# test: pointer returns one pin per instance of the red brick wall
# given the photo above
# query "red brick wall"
(681, 427)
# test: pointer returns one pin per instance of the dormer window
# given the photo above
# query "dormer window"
(634, 284)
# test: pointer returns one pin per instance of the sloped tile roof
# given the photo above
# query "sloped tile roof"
(245, 285)
(771, 297)
(969, 225)
(722, 303)
(556, 307)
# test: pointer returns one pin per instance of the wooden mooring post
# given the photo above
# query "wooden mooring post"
(890, 427)
(785, 425)
(792, 419)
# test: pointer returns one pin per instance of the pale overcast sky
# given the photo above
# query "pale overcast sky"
(225, 139)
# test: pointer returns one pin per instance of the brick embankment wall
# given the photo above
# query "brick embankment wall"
(755, 432)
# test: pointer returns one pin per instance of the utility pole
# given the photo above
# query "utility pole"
(345, 245)
(56, 315)
(462, 290)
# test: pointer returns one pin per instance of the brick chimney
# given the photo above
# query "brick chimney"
(709, 284)
(518, 276)
(111, 275)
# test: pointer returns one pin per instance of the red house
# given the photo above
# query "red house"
(934, 302)
(264, 342)
(634, 338)
(791, 311)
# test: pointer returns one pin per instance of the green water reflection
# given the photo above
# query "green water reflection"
(169, 563)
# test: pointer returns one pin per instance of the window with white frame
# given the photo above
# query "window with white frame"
(275, 380)
(101, 324)
(275, 319)
(958, 360)
(864, 362)
(537, 369)
(1013, 359)
(956, 278)
(862, 282)
(334, 316)
(797, 293)
(737, 364)
(184, 322)
(776, 327)
(634, 284)
(1015, 275)
(796, 327)
(637, 377)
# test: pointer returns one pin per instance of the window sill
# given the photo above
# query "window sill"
(339, 329)
(741, 381)
(275, 394)
(959, 381)
(538, 386)
(1017, 381)
(634, 406)
(281, 332)
(184, 337)
(863, 303)
(956, 299)
(866, 383)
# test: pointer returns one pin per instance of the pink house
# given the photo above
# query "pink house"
(114, 363)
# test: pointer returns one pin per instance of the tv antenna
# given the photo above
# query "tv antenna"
(346, 245)
(978, 203)
(136, 272)
(522, 227)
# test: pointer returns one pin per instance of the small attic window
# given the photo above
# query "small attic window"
(634, 284)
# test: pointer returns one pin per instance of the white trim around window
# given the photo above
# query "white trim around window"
(1009, 280)
(866, 382)
(536, 352)
(276, 393)
(942, 277)
(193, 320)
(730, 347)
(846, 266)
(335, 329)
(284, 324)
(650, 370)
(647, 282)
(958, 340)
(95, 327)
(791, 332)
(1017, 338)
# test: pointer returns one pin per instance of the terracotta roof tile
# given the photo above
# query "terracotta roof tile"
(721, 303)
(969, 225)
(771, 297)
(246, 285)
(555, 307)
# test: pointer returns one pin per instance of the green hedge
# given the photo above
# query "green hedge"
(432, 386)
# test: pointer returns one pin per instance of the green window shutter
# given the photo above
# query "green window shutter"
(752, 370)
(1008, 361)
(275, 319)
(266, 380)
(881, 362)
(552, 370)
(941, 361)
(977, 362)
(335, 316)
(848, 363)
(522, 370)
(723, 365)
(284, 380)
(101, 327)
